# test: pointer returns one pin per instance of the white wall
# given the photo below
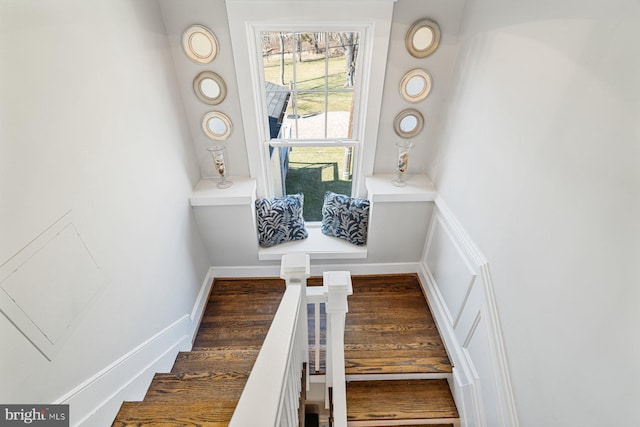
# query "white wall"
(91, 122)
(178, 16)
(447, 13)
(540, 162)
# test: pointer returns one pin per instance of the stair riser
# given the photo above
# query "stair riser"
(392, 377)
(443, 422)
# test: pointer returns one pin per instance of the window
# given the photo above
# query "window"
(310, 112)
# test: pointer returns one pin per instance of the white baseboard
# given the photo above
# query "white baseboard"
(97, 400)
(201, 303)
(317, 269)
(99, 397)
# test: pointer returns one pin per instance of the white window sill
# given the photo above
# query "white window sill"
(317, 245)
(242, 192)
(419, 188)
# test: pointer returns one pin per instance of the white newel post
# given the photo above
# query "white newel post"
(337, 286)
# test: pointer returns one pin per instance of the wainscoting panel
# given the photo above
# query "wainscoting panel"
(47, 286)
(450, 269)
(479, 351)
(458, 286)
(464, 396)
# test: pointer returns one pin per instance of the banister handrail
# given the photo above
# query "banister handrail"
(280, 361)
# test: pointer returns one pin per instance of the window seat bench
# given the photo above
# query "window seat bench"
(317, 245)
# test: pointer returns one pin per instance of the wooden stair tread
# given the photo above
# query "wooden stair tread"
(375, 348)
(239, 312)
(390, 330)
(211, 360)
(398, 364)
(223, 386)
(161, 414)
(206, 383)
(400, 400)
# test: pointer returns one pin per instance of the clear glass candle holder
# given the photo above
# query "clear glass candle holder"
(219, 163)
(403, 162)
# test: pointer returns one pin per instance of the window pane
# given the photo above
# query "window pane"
(310, 66)
(316, 170)
(339, 117)
(343, 53)
(277, 57)
(306, 115)
(277, 102)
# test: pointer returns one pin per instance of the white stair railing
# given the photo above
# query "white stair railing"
(271, 396)
(316, 299)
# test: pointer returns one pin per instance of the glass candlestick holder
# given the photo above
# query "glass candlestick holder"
(403, 162)
(219, 163)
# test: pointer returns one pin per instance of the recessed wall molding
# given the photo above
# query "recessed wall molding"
(47, 287)
(459, 289)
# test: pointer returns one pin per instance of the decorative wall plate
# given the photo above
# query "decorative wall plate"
(209, 88)
(415, 85)
(200, 44)
(216, 125)
(408, 123)
(423, 38)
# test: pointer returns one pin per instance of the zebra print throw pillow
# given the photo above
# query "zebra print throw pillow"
(345, 217)
(280, 220)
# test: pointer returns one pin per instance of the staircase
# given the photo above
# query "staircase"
(396, 364)
(205, 384)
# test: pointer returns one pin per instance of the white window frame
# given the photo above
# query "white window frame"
(243, 15)
(363, 70)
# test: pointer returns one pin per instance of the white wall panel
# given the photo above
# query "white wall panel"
(49, 285)
(480, 355)
(460, 295)
(468, 317)
(450, 269)
(397, 230)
